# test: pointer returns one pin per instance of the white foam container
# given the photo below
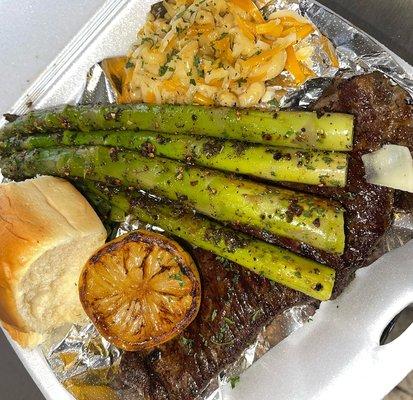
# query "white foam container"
(337, 355)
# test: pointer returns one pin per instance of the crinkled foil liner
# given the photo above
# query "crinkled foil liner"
(81, 358)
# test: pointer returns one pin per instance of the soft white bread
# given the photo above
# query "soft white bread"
(47, 233)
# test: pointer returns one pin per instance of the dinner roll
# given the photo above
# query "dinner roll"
(47, 233)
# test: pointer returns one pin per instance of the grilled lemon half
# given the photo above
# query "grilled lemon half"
(140, 290)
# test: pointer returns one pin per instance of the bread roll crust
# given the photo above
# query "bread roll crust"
(37, 215)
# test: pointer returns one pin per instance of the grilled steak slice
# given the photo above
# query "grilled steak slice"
(236, 304)
(383, 111)
(382, 115)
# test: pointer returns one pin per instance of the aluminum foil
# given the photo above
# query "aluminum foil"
(84, 361)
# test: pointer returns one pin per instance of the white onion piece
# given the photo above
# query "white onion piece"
(391, 166)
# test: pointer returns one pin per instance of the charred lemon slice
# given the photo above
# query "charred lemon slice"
(140, 290)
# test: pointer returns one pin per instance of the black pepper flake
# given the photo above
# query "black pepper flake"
(239, 148)
(182, 197)
(162, 139)
(266, 136)
(194, 117)
(278, 155)
(319, 113)
(294, 209)
(189, 159)
(113, 153)
(231, 239)
(212, 147)
(316, 222)
(148, 150)
(318, 287)
(10, 117)
(154, 355)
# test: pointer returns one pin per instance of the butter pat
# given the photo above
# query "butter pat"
(391, 166)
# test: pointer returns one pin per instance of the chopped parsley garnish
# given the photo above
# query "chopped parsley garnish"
(179, 15)
(148, 40)
(197, 65)
(241, 81)
(164, 68)
(178, 277)
(289, 133)
(129, 64)
(256, 314)
(234, 380)
(189, 343)
(171, 55)
(214, 314)
(274, 103)
(192, 81)
(224, 261)
(220, 337)
(327, 159)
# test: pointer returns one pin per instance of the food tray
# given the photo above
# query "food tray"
(337, 355)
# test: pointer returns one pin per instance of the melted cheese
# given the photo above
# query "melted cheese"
(391, 166)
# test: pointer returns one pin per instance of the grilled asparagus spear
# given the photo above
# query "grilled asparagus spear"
(306, 218)
(267, 162)
(299, 129)
(273, 262)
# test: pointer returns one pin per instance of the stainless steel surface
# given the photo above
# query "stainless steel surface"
(390, 22)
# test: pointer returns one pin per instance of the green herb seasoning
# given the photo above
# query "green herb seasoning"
(198, 67)
(148, 40)
(188, 343)
(222, 336)
(178, 277)
(241, 81)
(257, 314)
(129, 64)
(234, 380)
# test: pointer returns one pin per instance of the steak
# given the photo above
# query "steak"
(236, 303)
